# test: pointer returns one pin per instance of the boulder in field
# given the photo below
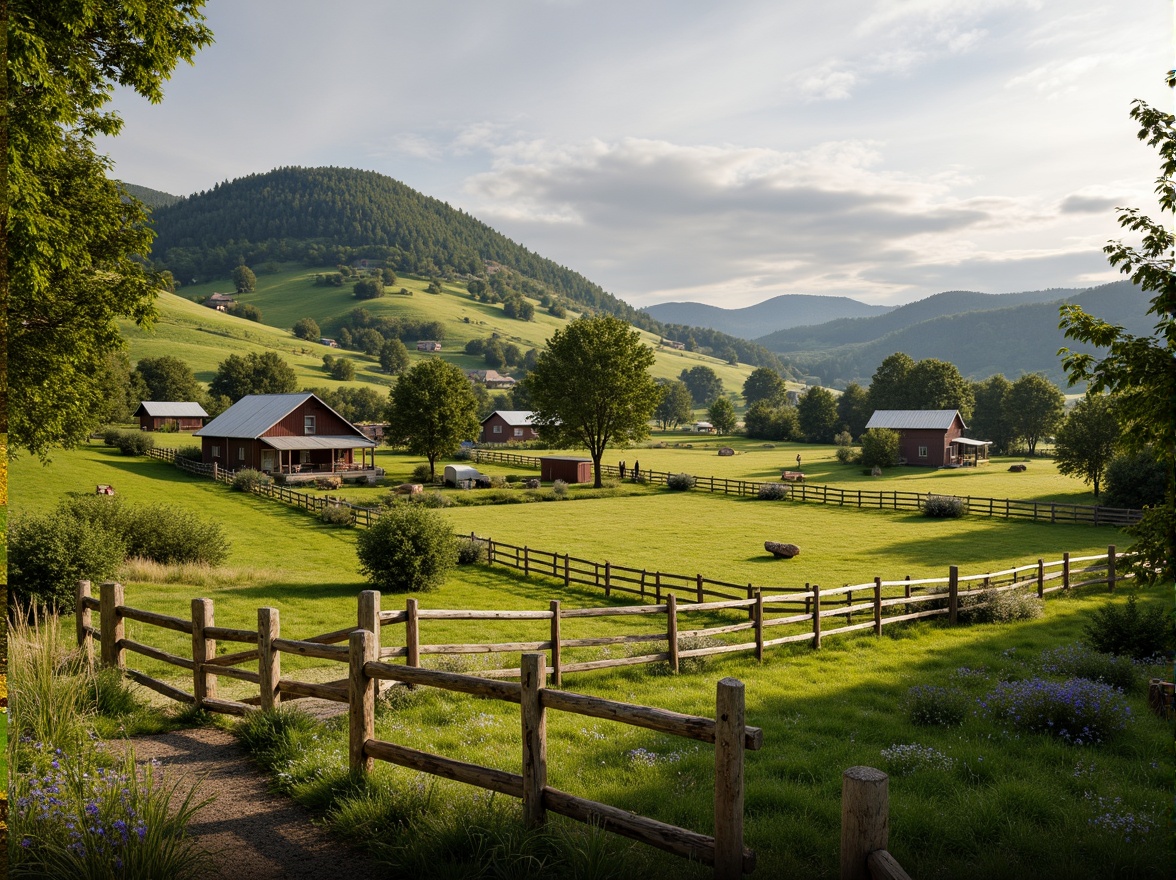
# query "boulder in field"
(783, 551)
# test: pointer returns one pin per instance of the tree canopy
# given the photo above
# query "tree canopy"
(990, 420)
(817, 412)
(1087, 439)
(704, 384)
(169, 378)
(763, 384)
(722, 415)
(1035, 408)
(591, 386)
(253, 373)
(72, 234)
(676, 406)
(431, 409)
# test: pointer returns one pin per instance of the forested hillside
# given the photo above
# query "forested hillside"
(1012, 341)
(328, 216)
(777, 313)
(152, 198)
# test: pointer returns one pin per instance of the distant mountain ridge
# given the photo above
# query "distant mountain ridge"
(778, 313)
(152, 198)
(1022, 337)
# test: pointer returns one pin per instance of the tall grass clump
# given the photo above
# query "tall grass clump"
(1077, 711)
(1001, 606)
(929, 705)
(1127, 631)
(50, 684)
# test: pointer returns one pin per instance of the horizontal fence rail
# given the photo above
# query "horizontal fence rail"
(1038, 511)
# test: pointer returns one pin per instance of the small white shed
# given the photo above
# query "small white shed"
(460, 475)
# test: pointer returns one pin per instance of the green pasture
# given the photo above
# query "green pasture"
(1008, 805)
(286, 296)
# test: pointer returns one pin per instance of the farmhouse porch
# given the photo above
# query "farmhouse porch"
(303, 459)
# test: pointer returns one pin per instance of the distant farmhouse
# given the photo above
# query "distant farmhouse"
(491, 379)
(170, 415)
(507, 426)
(220, 301)
(933, 437)
(428, 345)
(329, 342)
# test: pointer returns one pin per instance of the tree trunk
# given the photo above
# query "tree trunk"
(596, 457)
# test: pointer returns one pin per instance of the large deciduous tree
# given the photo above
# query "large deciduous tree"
(169, 378)
(889, 388)
(676, 405)
(239, 375)
(1087, 439)
(764, 383)
(722, 415)
(1035, 408)
(990, 419)
(71, 234)
(591, 387)
(853, 409)
(936, 384)
(817, 411)
(431, 410)
(1141, 370)
(704, 384)
(393, 356)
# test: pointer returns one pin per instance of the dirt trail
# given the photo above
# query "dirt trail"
(250, 832)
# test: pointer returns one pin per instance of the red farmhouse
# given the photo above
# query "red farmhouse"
(292, 434)
(506, 426)
(932, 438)
(179, 415)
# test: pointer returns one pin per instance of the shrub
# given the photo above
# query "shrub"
(172, 535)
(843, 438)
(680, 482)
(559, 490)
(993, 606)
(432, 500)
(408, 549)
(933, 706)
(773, 492)
(847, 455)
(422, 473)
(1079, 661)
(513, 478)
(879, 447)
(497, 482)
(1077, 710)
(248, 480)
(337, 515)
(190, 453)
(134, 442)
(110, 436)
(470, 551)
(1136, 480)
(1125, 630)
(463, 454)
(49, 553)
(944, 507)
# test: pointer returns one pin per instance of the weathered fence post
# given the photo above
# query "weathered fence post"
(643, 584)
(698, 583)
(361, 699)
(907, 594)
(526, 562)
(672, 629)
(953, 593)
(203, 650)
(865, 819)
(848, 604)
(1111, 568)
(84, 622)
(759, 625)
(412, 634)
(489, 551)
(729, 731)
(113, 654)
(657, 599)
(816, 615)
(607, 578)
(877, 606)
(1040, 578)
(533, 678)
(368, 616)
(269, 661)
(215, 472)
(750, 608)
(567, 573)
(556, 662)
(1065, 571)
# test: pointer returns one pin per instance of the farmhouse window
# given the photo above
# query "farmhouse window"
(498, 429)
(922, 452)
(518, 432)
(308, 425)
(215, 452)
(304, 456)
(240, 453)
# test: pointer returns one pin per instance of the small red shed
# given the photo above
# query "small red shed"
(176, 415)
(566, 468)
(931, 438)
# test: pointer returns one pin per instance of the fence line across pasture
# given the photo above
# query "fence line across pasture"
(1037, 511)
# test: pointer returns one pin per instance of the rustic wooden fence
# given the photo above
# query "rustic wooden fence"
(364, 656)
(1038, 511)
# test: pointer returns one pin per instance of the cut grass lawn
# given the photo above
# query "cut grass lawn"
(1008, 805)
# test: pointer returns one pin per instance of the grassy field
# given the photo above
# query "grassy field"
(998, 804)
(288, 295)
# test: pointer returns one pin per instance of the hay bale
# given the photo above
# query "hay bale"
(782, 551)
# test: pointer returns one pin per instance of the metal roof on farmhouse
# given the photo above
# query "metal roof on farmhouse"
(914, 419)
(171, 409)
(254, 414)
(318, 441)
(513, 417)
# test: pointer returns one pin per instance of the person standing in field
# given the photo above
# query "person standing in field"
(622, 470)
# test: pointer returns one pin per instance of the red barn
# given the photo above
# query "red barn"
(566, 468)
(932, 438)
(293, 434)
(508, 425)
(179, 415)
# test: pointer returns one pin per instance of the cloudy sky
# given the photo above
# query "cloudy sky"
(716, 152)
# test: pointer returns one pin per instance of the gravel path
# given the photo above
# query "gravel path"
(250, 832)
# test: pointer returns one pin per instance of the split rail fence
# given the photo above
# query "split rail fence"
(367, 669)
(1038, 511)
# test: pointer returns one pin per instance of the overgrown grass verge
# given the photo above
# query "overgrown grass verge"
(79, 811)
